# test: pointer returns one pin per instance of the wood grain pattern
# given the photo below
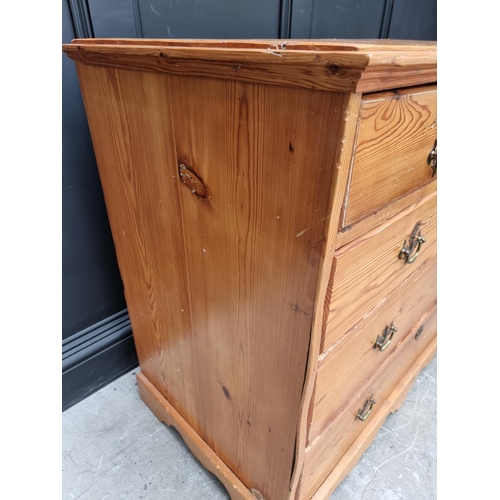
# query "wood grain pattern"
(250, 159)
(323, 454)
(333, 66)
(165, 412)
(308, 69)
(352, 360)
(217, 333)
(418, 48)
(390, 405)
(397, 131)
(225, 166)
(344, 152)
(404, 204)
(395, 70)
(367, 269)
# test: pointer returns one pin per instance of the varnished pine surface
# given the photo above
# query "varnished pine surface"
(396, 132)
(352, 360)
(342, 162)
(166, 135)
(325, 44)
(220, 283)
(368, 268)
(337, 66)
(323, 454)
(363, 441)
(402, 205)
(165, 412)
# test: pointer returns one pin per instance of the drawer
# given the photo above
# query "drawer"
(396, 133)
(369, 268)
(326, 450)
(353, 359)
(405, 204)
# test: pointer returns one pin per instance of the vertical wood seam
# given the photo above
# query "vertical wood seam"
(186, 264)
(350, 112)
(289, 204)
(343, 210)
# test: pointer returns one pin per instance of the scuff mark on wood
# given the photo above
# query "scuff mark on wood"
(307, 228)
(319, 242)
(274, 53)
(226, 392)
(257, 494)
(296, 308)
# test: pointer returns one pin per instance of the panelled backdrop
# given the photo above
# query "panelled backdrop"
(97, 344)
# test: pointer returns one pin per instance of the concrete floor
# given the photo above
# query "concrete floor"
(114, 448)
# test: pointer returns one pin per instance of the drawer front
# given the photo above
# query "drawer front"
(353, 359)
(396, 133)
(369, 268)
(327, 449)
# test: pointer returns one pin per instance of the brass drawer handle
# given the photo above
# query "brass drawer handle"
(364, 413)
(384, 340)
(409, 252)
(432, 159)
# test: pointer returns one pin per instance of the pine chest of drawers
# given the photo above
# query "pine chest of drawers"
(273, 208)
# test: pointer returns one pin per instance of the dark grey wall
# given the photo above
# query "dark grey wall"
(97, 339)
(399, 19)
(210, 19)
(97, 344)
(113, 18)
(186, 18)
(92, 287)
(337, 19)
(414, 20)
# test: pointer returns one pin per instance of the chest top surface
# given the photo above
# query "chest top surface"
(336, 65)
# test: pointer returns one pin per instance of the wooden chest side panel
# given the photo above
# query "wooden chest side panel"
(132, 134)
(220, 259)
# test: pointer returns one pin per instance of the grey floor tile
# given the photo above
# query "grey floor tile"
(114, 448)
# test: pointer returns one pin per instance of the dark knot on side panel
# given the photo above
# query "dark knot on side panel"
(193, 181)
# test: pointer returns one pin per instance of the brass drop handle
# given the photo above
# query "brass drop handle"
(432, 158)
(364, 413)
(384, 340)
(409, 252)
